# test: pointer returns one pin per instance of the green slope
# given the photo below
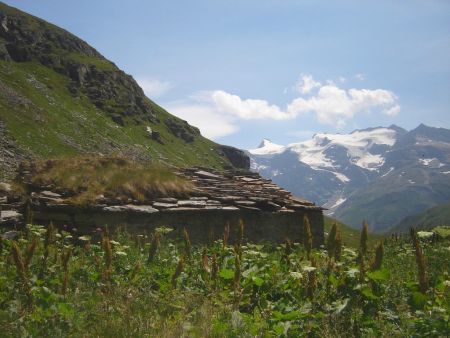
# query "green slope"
(59, 97)
(350, 236)
(426, 220)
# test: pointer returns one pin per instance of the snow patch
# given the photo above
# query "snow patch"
(431, 162)
(341, 177)
(357, 144)
(338, 203)
(267, 147)
(388, 172)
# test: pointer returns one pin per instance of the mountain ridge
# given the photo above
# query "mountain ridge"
(357, 175)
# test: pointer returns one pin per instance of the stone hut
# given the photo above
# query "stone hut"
(269, 212)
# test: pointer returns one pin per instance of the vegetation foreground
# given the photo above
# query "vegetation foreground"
(56, 284)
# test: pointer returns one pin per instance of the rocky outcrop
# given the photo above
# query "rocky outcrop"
(25, 38)
(237, 157)
(182, 129)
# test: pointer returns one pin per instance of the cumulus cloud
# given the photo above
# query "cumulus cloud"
(306, 84)
(217, 113)
(333, 105)
(153, 87)
(207, 118)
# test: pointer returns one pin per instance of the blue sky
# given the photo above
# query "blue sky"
(242, 70)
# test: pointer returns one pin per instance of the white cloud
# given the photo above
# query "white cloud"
(306, 84)
(333, 105)
(360, 76)
(248, 109)
(153, 87)
(217, 113)
(212, 123)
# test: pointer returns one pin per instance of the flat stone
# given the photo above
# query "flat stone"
(183, 209)
(230, 208)
(213, 207)
(245, 203)
(10, 214)
(200, 198)
(146, 209)
(160, 205)
(167, 200)
(212, 202)
(206, 174)
(190, 203)
(249, 208)
(3, 200)
(49, 194)
(228, 198)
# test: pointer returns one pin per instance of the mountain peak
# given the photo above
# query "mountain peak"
(267, 147)
(265, 142)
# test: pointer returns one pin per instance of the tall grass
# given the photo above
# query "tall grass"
(88, 178)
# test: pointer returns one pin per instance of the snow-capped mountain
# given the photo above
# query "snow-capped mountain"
(331, 169)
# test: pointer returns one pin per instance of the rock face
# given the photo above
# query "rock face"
(182, 129)
(106, 86)
(269, 212)
(237, 157)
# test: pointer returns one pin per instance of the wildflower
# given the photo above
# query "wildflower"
(296, 274)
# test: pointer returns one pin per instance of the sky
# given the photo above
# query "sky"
(243, 70)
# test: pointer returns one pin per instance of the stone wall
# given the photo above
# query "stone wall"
(259, 225)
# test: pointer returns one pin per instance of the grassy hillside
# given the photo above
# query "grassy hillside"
(426, 220)
(60, 97)
(350, 236)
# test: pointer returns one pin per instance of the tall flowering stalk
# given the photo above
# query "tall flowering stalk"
(65, 256)
(338, 246)
(187, 244)
(331, 240)
(107, 249)
(287, 252)
(307, 236)
(48, 240)
(154, 245)
(214, 268)
(226, 235)
(364, 237)
(19, 262)
(378, 260)
(312, 280)
(178, 271)
(421, 263)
